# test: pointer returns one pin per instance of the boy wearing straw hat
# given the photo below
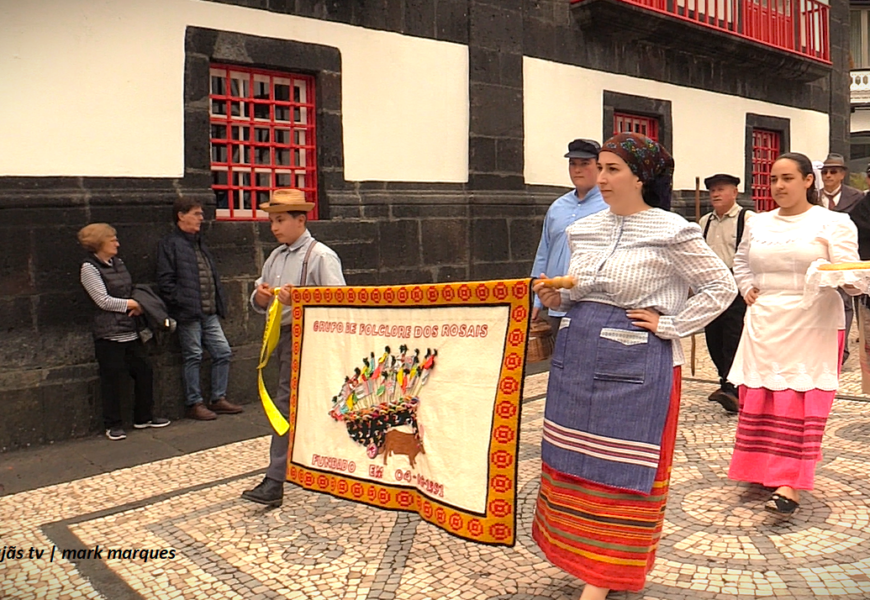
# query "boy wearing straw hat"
(299, 260)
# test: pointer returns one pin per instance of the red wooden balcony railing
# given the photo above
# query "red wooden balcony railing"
(796, 26)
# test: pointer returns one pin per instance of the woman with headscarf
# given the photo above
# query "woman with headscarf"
(614, 391)
(787, 364)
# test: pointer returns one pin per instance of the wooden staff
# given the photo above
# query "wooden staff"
(697, 220)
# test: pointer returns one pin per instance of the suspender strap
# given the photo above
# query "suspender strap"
(741, 225)
(304, 277)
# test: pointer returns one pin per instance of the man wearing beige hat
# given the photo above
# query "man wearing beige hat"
(299, 260)
(839, 197)
(835, 194)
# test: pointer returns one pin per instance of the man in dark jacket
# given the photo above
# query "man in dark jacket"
(860, 215)
(190, 286)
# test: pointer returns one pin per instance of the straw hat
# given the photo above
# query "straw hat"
(287, 200)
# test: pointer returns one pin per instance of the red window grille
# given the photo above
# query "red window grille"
(765, 149)
(626, 123)
(262, 138)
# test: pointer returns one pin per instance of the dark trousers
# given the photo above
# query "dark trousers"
(723, 337)
(118, 360)
(280, 443)
(850, 314)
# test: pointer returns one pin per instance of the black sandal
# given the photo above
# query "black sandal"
(781, 505)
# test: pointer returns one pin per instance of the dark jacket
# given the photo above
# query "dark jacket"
(178, 276)
(153, 308)
(119, 284)
(849, 198)
(860, 215)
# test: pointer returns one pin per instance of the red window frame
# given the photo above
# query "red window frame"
(766, 146)
(262, 137)
(628, 123)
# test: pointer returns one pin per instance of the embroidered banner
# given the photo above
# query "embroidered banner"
(408, 398)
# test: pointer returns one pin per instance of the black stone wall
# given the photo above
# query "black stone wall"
(839, 82)
(385, 232)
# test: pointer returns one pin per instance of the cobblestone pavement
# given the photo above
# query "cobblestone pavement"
(719, 543)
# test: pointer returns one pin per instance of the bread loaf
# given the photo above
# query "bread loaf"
(851, 266)
(566, 282)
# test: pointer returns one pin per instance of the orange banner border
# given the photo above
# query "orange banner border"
(498, 525)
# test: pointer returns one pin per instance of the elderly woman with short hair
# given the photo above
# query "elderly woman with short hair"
(116, 340)
(614, 391)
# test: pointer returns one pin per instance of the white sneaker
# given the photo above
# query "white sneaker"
(116, 433)
(155, 422)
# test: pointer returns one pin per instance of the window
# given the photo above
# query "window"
(625, 113)
(262, 135)
(627, 123)
(859, 43)
(766, 146)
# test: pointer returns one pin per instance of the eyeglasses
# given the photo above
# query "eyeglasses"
(831, 171)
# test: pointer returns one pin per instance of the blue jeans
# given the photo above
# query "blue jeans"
(194, 335)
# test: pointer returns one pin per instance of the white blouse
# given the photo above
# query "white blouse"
(787, 344)
(650, 259)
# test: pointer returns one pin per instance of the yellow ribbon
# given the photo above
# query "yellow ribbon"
(270, 342)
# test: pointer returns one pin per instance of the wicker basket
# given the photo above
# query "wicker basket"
(541, 342)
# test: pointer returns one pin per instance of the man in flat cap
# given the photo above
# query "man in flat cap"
(723, 230)
(840, 197)
(553, 254)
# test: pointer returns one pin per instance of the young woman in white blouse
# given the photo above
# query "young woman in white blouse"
(614, 391)
(787, 363)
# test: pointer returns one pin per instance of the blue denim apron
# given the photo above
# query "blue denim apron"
(607, 398)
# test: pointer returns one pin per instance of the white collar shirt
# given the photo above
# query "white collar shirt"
(831, 200)
(284, 265)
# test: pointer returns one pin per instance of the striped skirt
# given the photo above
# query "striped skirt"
(605, 536)
(779, 435)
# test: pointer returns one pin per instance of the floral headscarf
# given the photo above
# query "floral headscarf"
(649, 161)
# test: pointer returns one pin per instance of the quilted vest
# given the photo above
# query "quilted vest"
(119, 284)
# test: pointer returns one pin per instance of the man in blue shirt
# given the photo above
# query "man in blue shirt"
(553, 254)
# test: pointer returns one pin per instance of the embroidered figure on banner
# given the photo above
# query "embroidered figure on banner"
(383, 396)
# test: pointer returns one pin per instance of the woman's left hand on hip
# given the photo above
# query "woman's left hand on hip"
(644, 318)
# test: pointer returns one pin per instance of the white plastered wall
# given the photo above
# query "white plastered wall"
(860, 120)
(564, 102)
(95, 88)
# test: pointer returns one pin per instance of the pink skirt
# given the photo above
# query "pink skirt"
(779, 435)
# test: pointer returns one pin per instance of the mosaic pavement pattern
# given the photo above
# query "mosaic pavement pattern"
(718, 544)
